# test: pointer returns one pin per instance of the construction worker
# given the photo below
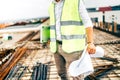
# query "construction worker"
(70, 25)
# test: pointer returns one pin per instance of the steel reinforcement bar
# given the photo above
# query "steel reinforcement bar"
(11, 62)
(40, 72)
(5, 68)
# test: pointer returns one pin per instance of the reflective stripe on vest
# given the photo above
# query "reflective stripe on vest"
(63, 23)
(68, 37)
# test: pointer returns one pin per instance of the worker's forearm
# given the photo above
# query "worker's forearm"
(89, 32)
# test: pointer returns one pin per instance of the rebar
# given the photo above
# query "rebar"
(39, 72)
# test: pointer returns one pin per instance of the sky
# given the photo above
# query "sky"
(25, 9)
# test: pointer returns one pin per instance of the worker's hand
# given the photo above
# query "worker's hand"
(91, 48)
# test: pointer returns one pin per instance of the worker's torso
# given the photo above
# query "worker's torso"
(71, 28)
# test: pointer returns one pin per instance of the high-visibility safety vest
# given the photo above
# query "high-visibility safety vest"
(72, 29)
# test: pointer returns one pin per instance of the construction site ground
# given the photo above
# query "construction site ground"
(106, 68)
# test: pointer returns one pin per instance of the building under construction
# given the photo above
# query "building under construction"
(25, 53)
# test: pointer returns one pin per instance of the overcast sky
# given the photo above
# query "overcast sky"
(25, 9)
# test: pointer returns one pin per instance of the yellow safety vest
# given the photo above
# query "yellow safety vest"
(72, 29)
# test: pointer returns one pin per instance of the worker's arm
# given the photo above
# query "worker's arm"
(88, 25)
(90, 41)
